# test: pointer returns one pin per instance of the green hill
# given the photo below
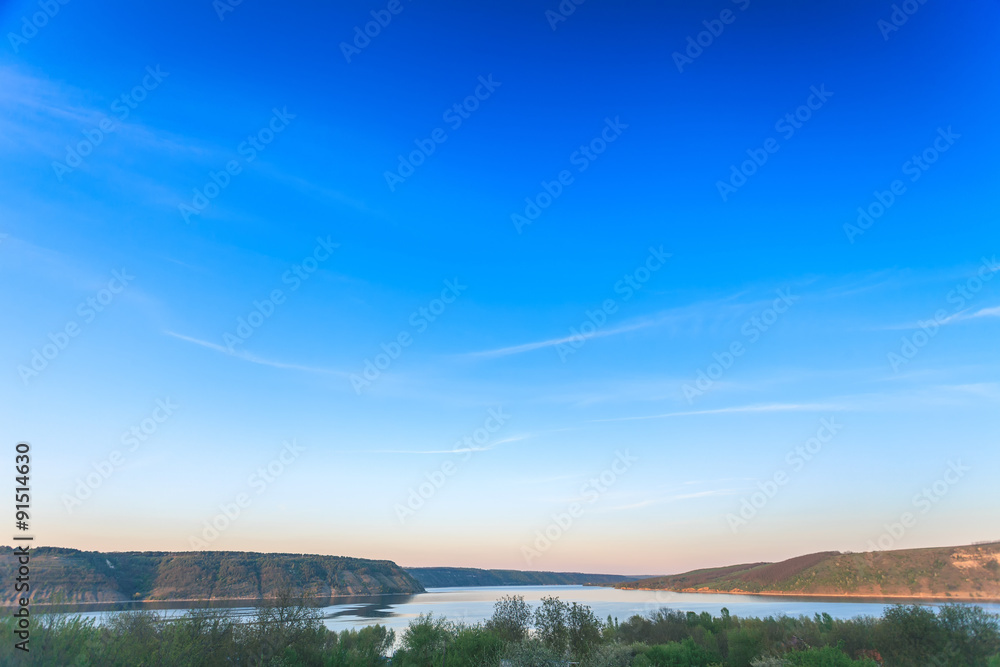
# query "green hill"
(70, 575)
(442, 577)
(960, 573)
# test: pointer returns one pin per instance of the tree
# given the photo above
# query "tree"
(584, 630)
(972, 634)
(550, 624)
(475, 647)
(366, 646)
(908, 635)
(425, 641)
(280, 625)
(511, 616)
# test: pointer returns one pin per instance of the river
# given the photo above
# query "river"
(475, 604)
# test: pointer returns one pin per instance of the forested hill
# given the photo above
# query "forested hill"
(957, 573)
(442, 577)
(70, 575)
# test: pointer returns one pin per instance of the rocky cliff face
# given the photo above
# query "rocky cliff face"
(73, 576)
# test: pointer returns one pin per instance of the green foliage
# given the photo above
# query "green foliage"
(277, 635)
(908, 635)
(611, 655)
(957, 636)
(475, 647)
(584, 630)
(425, 642)
(769, 661)
(828, 656)
(551, 625)
(680, 654)
(358, 648)
(511, 617)
(530, 653)
(972, 634)
(745, 644)
(286, 634)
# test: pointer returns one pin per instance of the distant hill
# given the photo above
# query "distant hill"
(959, 573)
(70, 575)
(443, 577)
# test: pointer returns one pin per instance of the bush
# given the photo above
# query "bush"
(530, 653)
(828, 656)
(475, 647)
(611, 655)
(680, 654)
(424, 642)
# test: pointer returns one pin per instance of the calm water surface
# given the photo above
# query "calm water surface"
(474, 604)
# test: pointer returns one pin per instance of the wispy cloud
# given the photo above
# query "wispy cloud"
(253, 359)
(674, 498)
(960, 316)
(41, 115)
(722, 309)
(552, 342)
(767, 407)
(984, 312)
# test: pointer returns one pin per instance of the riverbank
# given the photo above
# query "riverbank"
(889, 599)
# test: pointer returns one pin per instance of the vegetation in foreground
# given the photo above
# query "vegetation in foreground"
(281, 634)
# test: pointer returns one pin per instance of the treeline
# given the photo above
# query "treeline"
(282, 634)
(444, 577)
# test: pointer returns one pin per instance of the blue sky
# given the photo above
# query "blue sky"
(238, 160)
